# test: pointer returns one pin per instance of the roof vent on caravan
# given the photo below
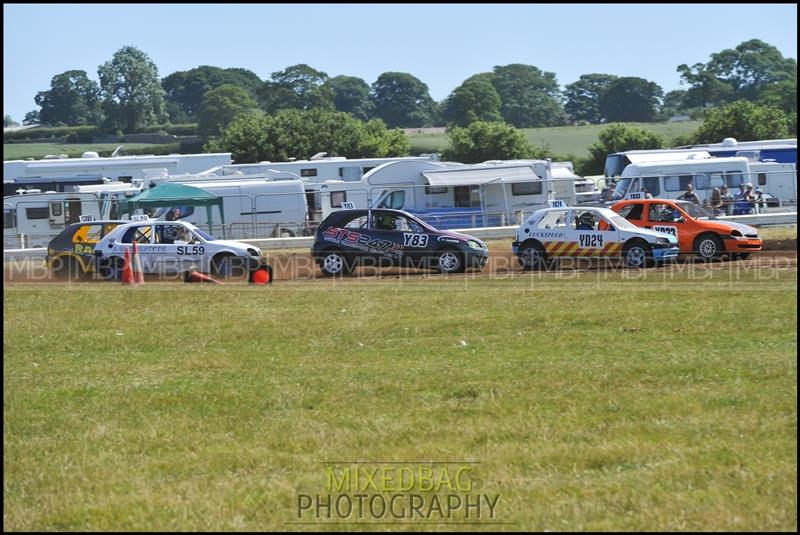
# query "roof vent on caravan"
(318, 156)
(90, 154)
(51, 157)
(729, 142)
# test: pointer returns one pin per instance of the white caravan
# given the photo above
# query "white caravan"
(63, 174)
(320, 168)
(253, 208)
(669, 180)
(32, 219)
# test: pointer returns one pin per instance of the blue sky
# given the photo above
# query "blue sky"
(440, 44)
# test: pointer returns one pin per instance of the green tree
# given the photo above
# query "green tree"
(402, 100)
(297, 87)
(185, 89)
(474, 100)
(745, 121)
(72, 99)
(530, 97)
(132, 94)
(256, 136)
(481, 141)
(738, 73)
(8, 121)
(32, 117)
(631, 99)
(583, 96)
(221, 106)
(350, 94)
(672, 104)
(616, 138)
(781, 95)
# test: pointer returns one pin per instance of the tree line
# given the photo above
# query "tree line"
(130, 95)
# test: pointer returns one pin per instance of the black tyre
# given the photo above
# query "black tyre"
(228, 266)
(533, 257)
(67, 269)
(334, 263)
(637, 255)
(112, 268)
(450, 261)
(708, 247)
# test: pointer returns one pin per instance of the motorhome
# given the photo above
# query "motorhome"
(32, 219)
(320, 168)
(252, 208)
(64, 174)
(777, 150)
(670, 179)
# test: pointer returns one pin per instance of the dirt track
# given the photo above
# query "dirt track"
(300, 267)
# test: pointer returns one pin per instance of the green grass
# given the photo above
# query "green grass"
(563, 140)
(20, 151)
(597, 401)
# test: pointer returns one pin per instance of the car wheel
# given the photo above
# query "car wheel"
(708, 247)
(532, 257)
(450, 261)
(112, 270)
(334, 264)
(226, 266)
(637, 255)
(67, 269)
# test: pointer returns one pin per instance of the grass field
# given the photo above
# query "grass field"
(628, 403)
(19, 151)
(563, 140)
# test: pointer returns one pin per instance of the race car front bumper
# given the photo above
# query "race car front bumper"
(476, 258)
(665, 253)
(747, 245)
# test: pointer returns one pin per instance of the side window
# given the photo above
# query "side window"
(632, 211)
(56, 209)
(435, 190)
(584, 220)
(37, 213)
(169, 234)
(733, 179)
(394, 200)
(357, 222)
(762, 179)
(138, 234)
(526, 188)
(179, 212)
(661, 212)
(677, 183)
(701, 181)
(554, 220)
(88, 234)
(337, 198)
(308, 172)
(650, 183)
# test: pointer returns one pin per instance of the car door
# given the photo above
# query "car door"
(590, 240)
(175, 251)
(142, 235)
(418, 243)
(384, 246)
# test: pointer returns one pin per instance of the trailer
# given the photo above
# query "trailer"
(64, 174)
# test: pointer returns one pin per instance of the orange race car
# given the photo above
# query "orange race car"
(697, 230)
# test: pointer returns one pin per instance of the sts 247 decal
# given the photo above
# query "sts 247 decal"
(362, 242)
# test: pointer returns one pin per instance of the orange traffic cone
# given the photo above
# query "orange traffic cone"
(194, 276)
(138, 274)
(127, 271)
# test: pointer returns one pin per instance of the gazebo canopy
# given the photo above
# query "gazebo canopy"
(173, 194)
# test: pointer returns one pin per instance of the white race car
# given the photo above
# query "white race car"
(589, 232)
(170, 247)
